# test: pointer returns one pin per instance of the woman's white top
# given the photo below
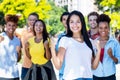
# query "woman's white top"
(77, 59)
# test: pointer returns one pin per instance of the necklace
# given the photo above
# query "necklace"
(37, 40)
(103, 42)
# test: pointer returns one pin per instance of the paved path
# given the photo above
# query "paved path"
(117, 71)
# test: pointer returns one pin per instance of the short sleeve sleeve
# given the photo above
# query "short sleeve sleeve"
(63, 42)
(18, 42)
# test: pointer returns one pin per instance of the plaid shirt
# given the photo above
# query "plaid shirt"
(94, 36)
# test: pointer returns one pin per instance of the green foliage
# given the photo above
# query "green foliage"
(24, 8)
(1, 1)
(108, 5)
(2, 22)
(45, 8)
(115, 21)
(112, 8)
(54, 20)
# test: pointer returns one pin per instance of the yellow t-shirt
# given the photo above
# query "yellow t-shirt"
(37, 51)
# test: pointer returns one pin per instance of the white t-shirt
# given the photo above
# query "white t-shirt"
(77, 59)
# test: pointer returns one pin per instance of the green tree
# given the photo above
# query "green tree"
(108, 5)
(1, 1)
(24, 8)
(112, 8)
(54, 20)
(2, 22)
(45, 8)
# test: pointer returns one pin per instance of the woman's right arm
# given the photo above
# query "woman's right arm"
(1, 38)
(57, 58)
(27, 50)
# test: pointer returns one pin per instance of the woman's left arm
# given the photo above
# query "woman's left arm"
(18, 49)
(116, 50)
(111, 55)
(95, 61)
(47, 50)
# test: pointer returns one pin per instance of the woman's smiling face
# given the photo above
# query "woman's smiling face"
(75, 24)
(10, 27)
(38, 27)
(104, 29)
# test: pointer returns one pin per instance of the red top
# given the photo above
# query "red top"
(94, 36)
(101, 54)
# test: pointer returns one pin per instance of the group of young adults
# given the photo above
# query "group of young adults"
(78, 54)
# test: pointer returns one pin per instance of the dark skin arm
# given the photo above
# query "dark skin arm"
(111, 55)
(18, 49)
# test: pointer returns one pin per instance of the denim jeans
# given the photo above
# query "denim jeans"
(84, 79)
(60, 76)
(9, 78)
(24, 72)
(112, 77)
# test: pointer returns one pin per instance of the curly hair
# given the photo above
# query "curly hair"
(12, 18)
(103, 18)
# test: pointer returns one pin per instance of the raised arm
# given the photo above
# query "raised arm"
(18, 49)
(47, 50)
(27, 50)
(111, 55)
(116, 51)
(96, 59)
(57, 57)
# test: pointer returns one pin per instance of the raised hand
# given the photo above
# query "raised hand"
(111, 55)
(109, 51)
(98, 45)
(1, 38)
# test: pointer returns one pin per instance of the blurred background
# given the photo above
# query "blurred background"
(51, 10)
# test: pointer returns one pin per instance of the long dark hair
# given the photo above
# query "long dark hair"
(64, 13)
(44, 33)
(83, 30)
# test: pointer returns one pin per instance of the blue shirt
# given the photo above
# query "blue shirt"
(9, 57)
(107, 67)
(56, 48)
